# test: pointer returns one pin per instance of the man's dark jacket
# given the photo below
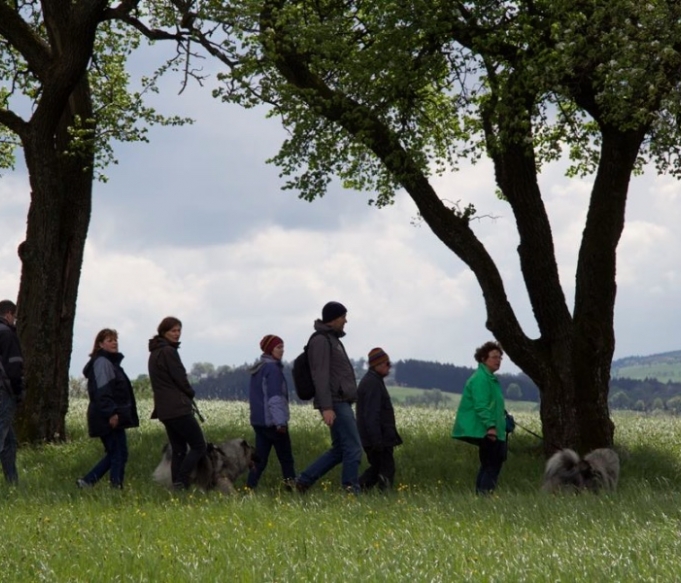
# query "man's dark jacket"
(375, 413)
(11, 356)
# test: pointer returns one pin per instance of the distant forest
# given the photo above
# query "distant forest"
(231, 383)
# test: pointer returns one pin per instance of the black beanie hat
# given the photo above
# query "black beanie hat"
(333, 310)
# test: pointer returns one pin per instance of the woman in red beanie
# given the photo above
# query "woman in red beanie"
(268, 400)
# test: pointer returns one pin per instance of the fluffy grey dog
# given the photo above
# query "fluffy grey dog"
(218, 469)
(566, 471)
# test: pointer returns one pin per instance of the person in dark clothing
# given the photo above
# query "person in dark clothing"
(269, 407)
(11, 388)
(376, 423)
(173, 400)
(111, 411)
(335, 392)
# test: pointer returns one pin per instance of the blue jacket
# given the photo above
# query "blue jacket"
(110, 393)
(268, 393)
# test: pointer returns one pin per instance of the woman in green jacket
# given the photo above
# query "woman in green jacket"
(480, 418)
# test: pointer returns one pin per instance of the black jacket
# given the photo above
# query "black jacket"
(110, 393)
(172, 392)
(375, 413)
(11, 356)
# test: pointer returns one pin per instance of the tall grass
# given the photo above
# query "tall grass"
(432, 528)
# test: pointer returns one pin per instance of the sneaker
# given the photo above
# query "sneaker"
(83, 484)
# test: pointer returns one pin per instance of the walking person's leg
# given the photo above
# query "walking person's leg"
(284, 451)
(119, 457)
(102, 466)
(263, 446)
(8, 440)
(191, 431)
(345, 426)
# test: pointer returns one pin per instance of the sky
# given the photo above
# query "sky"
(195, 225)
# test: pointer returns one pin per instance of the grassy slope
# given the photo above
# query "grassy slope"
(663, 367)
(432, 529)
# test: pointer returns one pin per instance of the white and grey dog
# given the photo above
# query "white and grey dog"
(596, 471)
(218, 469)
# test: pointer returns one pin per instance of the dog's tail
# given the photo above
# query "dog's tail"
(162, 473)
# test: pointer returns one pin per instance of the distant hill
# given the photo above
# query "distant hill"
(662, 367)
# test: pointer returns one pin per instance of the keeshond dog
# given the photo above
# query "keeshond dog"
(218, 469)
(596, 471)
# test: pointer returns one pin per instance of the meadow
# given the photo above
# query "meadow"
(432, 528)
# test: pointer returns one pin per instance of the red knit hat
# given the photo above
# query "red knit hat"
(377, 356)
(269, 343)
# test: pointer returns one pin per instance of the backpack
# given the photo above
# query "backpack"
(302, 376)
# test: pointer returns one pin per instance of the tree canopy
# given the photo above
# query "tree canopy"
(387, 95)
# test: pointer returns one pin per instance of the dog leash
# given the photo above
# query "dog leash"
(195, 408)
(539, 437)
(529, 431)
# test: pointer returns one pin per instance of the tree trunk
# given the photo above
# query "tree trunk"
(52, 257)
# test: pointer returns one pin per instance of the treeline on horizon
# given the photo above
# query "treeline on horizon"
(231, 383)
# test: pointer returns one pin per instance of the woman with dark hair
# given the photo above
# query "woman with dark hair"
(112, 408)
(481, 417)
(173, 398)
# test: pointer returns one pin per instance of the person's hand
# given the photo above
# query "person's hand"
(492, 433)
(329, 416)
(113, 421)
(282, 429)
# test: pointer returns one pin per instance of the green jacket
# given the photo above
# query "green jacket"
(481, 407)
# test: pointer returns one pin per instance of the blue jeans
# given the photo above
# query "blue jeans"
(8, 440)
(265, 439)
(346, 447)
(114, 460)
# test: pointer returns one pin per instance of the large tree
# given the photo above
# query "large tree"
(386, 94)
(63, 97)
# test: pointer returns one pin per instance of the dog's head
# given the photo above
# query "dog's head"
(249, 454)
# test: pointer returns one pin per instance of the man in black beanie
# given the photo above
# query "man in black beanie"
(335, 392)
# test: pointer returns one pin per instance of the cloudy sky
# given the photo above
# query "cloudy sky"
(195, 225)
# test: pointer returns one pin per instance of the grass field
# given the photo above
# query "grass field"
(432, 528)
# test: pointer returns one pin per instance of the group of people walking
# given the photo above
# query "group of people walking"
(112, 407)
(336, 390)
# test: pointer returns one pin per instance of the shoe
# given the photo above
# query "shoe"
(350, 489)
(83, 484)
(300, 487)
(289, 484)
(179, 486)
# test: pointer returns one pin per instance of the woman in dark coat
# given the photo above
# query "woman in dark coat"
(112, 409)
(173, 398)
